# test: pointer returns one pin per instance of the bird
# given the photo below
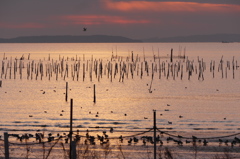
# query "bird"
(111, 130)
(205, 142)
(179, 136)
(135, 140)
(237, 139)
(84, 29)
(121, 139)
(144, 142)
(130, 141)
(220, 141)
(226, 142)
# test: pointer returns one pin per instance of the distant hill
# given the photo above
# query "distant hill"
(120, 39)
(198, 38)
(69, 39)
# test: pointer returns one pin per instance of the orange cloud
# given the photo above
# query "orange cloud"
(100, 19)
(22, 26)
(170, 6)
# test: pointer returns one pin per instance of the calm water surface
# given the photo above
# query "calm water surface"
(192, 105)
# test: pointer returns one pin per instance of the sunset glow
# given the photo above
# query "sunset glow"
(128, 6)
(101, 19)
(22, 26)
(130, 18)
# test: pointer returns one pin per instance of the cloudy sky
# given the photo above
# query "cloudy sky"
(137, 19)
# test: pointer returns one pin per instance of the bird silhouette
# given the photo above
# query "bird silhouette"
(84, 29)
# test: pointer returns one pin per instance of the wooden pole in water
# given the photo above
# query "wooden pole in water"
(171, 60)
(66, 95)
(94, 93)
(154, 134)
(6, 146)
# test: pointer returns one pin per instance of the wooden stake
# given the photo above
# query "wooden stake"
(66, 95)
(6, 146)
(94, 93)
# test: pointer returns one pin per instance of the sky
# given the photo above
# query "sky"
(136, 19)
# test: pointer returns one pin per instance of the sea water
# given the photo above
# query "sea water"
(183, 105)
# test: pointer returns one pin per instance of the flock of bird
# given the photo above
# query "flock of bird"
(133, 140)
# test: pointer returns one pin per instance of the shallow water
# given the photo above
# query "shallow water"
(212, 104)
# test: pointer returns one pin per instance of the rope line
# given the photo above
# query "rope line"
(217, 137)
(137, 134)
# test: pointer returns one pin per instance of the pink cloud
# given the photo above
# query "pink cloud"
(99, 19)
(169, 6)
(22, 26)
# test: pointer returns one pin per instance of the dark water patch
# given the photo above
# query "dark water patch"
(24, 125)
(205, 128)
(58, 119)
(62, 126)
(230, 125)
(136, 120)
(217, 121)
(17, 130)
(104, 127)
(17, 122)
(193, 124)
(114, 123)
(118, 123)
(79, 126)
(100, 119)
(101, 123)
(31, 125)
(25, 122)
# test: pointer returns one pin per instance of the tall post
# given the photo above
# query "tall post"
(70, 133)
(73, 152)
(6, 146)
(154, 134)
(94, 93)
(171, 58)
(66, 97)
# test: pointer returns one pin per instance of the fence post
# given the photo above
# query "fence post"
(154, 134)
(73, 152)
(70, 133)
(6, 146)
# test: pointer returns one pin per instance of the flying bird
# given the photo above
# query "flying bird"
(84, 29)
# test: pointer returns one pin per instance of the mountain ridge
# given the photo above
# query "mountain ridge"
(68, 39)
(120, 39)
(198, 38)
